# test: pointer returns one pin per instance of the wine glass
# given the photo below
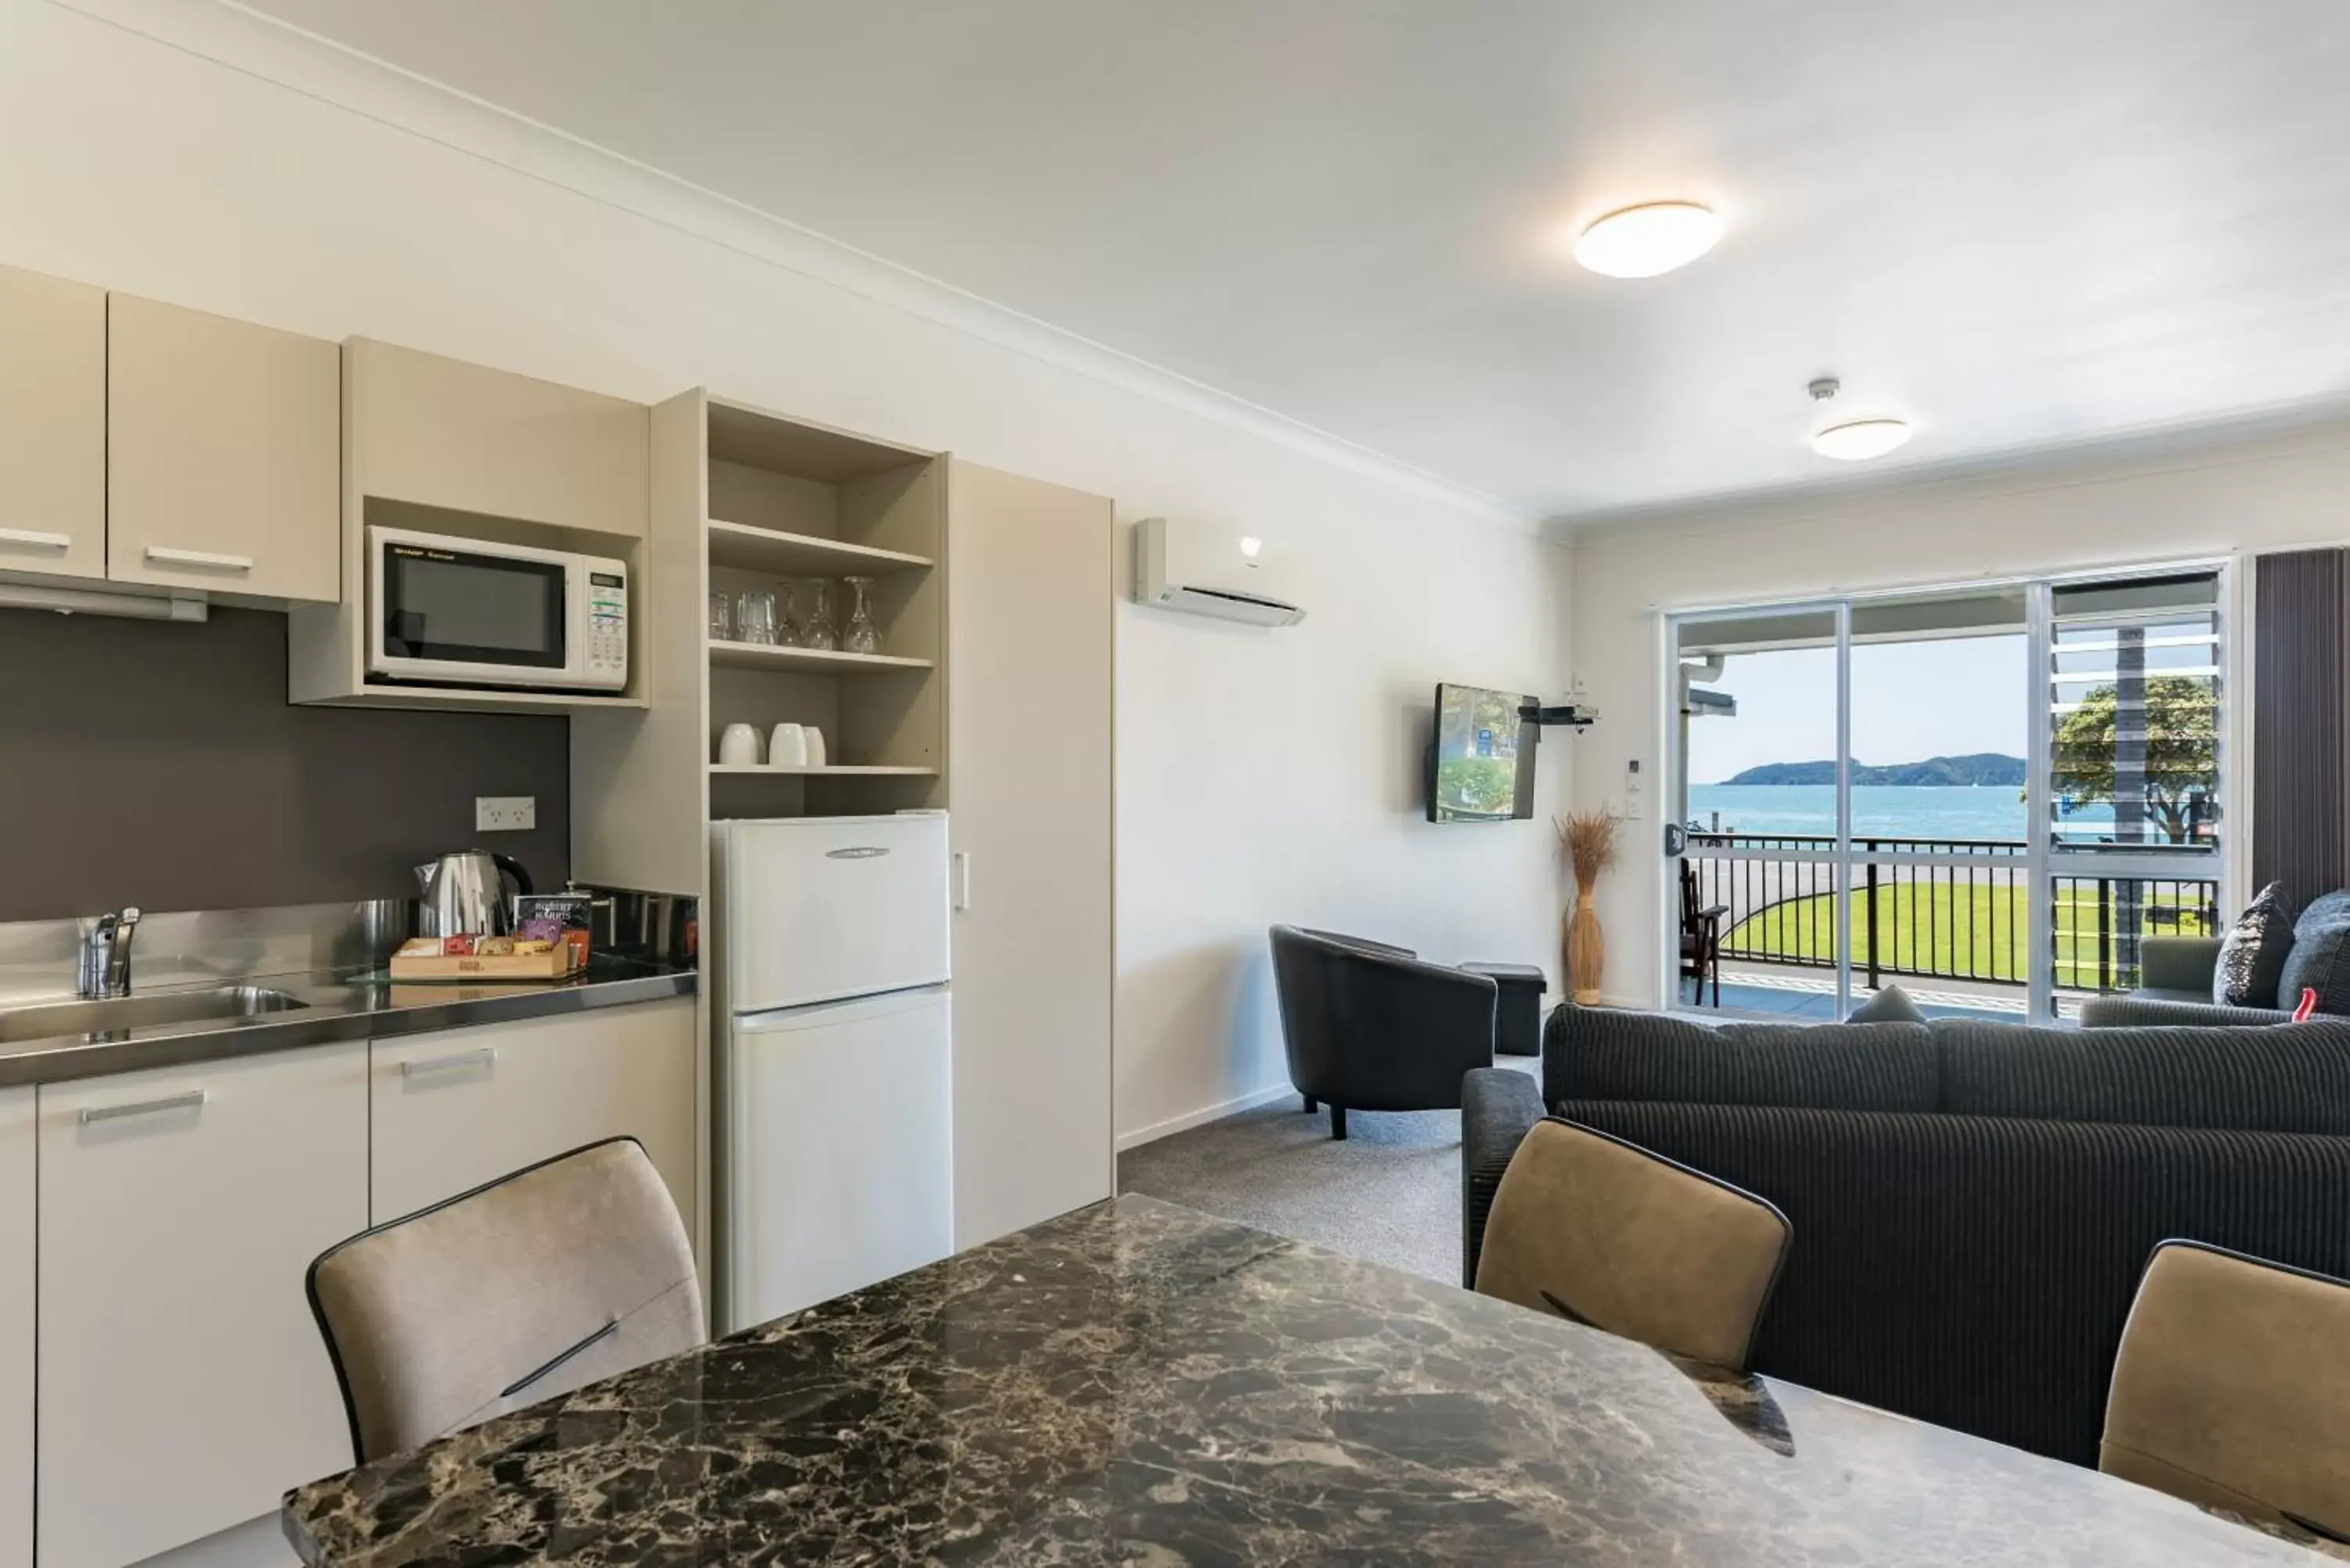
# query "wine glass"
(817, 630)
(862, 636)
(787, 628)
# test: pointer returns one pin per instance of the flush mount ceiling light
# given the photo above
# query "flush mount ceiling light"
(1643, 241)
(1860, 439)
(1855, 441)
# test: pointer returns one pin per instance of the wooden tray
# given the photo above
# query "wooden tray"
(554, 965)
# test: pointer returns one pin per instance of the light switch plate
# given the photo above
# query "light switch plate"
(505, 813)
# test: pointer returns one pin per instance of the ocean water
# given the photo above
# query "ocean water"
(1989, 811)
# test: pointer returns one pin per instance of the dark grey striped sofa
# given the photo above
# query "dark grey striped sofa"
(1972, 1203)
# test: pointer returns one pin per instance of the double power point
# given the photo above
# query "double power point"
(505, 813)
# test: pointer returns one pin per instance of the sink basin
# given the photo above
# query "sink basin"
(50, 1019)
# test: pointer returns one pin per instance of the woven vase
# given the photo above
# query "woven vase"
(1587, 950)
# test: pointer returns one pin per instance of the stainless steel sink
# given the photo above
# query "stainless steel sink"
(163, 1008)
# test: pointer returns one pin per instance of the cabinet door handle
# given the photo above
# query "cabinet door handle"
(187, 1102)
(36, 539)
(480, 1058)
(207, 560)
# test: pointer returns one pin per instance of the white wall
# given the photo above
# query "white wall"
(1263, 776)
(2215, 498)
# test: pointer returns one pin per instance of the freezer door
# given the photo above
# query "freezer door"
(841, 1152)
(819, 908)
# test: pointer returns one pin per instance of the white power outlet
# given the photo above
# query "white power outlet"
(505, 813)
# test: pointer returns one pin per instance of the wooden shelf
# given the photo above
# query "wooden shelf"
(808, 660)
(739, 769)
(760, 549)
(520, 699)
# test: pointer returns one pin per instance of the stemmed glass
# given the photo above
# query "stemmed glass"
(863, 635)
(787, 629)
(816, 631)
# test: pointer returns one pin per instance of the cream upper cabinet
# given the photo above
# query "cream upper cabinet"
(52, 426)
(223, 454)
(1031, 638)
(17, 1143)
(183, 1386)
(441, 432)
(463, 1106)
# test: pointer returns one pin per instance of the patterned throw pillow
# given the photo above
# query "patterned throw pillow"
(2252, 955)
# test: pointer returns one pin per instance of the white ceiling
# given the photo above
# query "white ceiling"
(2017, 222)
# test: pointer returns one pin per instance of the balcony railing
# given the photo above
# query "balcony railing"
(1935, 909)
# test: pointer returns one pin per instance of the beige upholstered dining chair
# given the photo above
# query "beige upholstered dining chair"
(2232, 1388)
(1606, 1233)
(537, 1283)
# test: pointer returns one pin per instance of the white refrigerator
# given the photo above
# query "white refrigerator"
(834, 1088)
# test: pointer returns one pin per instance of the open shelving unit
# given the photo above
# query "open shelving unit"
(741, 499)
(788, 503)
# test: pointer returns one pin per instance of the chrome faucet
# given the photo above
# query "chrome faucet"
(105, 968)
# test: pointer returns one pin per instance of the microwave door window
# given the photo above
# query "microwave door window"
(452, 607)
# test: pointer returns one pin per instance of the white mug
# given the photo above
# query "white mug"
(738, 747)
(788, 747)
(814, 745)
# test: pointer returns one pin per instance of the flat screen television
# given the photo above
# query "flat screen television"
(1481, 765)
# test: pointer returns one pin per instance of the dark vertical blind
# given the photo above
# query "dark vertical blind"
(2301, 723)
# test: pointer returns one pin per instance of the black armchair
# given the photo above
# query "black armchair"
(1369, 1027)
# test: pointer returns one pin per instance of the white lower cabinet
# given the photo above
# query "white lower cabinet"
(183, 1384)
(457, 1108)
(16, 1189)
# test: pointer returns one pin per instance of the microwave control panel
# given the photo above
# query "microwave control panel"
(608, 622)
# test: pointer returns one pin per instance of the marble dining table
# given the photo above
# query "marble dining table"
(1139, 1383)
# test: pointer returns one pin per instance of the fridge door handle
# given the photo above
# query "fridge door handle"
(962, 858)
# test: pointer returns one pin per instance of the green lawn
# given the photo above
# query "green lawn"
(1960, 933)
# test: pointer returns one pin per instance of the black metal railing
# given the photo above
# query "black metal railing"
(1965, 918)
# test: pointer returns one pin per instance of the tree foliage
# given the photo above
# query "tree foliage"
(2182, 749)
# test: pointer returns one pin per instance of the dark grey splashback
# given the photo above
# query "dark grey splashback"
(158, 763)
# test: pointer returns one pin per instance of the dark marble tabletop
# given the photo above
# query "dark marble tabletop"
(1139, 1384)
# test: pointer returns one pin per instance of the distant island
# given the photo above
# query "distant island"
(1975, 768)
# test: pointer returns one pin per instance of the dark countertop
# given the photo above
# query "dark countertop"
(334, 1005)
(1137, 1383)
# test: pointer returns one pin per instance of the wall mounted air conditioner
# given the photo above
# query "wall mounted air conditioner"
(1204, 569)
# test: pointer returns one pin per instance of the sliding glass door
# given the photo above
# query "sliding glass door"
(1989, 795)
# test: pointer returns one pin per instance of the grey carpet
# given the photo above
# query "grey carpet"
(1390, 1194)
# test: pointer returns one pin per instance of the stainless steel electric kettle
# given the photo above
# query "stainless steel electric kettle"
(466, 892)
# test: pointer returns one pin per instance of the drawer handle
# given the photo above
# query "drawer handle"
(480, 1058)
(205, 560)
(187, 1102)
(34, 538)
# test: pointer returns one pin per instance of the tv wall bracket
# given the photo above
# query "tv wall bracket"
(1566, 715)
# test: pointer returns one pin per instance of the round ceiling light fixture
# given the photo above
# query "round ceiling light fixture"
(1857, 441)
(1651, 238)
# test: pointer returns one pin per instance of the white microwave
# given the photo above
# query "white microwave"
(467, 612)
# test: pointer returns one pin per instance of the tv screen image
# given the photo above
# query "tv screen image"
(1481, 765)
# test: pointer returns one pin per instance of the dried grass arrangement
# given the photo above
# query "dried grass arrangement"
(1588, 838)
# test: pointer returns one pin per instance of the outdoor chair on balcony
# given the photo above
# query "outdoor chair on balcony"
(1701, 937)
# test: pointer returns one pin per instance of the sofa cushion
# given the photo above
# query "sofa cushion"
(1607, 1053)
(2320, 959)
(2252, 954)
(1891, 1005)
(2285, 1077)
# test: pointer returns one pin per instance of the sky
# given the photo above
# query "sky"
(1910, 700)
